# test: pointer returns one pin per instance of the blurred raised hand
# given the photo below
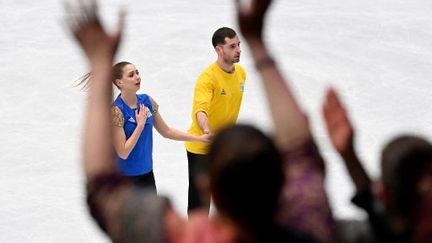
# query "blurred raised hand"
(250, 14)
(341, 135)
(338, 125)
(84, 23)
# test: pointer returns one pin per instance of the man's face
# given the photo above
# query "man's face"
(230, 51)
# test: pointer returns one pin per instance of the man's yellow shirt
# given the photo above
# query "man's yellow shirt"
(219, 94)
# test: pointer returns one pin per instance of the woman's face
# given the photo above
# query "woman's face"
(131, 79)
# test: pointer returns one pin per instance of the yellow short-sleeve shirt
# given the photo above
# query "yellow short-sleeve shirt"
(219, 94)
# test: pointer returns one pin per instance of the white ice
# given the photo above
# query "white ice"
(377, 53)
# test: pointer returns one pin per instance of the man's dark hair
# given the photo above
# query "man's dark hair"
(246, 175)
(403, 162)
(220, 35)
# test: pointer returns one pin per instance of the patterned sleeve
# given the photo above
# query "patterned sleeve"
(304, 202)
(118, 119)
(155, 105)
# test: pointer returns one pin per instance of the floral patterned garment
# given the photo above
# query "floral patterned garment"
(304, 202)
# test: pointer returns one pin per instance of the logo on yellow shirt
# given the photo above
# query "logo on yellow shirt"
(223, 92)
(242, 87)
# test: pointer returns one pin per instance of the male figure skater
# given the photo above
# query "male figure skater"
(216, 104)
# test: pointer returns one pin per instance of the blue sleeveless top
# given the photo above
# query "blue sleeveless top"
(140, 159)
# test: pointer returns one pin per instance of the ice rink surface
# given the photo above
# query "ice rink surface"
(377, 53)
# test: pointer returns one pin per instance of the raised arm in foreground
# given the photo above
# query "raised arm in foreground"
(125, 213)
(341, 135)
(304, 201)
(99, 48)
(291, 124)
